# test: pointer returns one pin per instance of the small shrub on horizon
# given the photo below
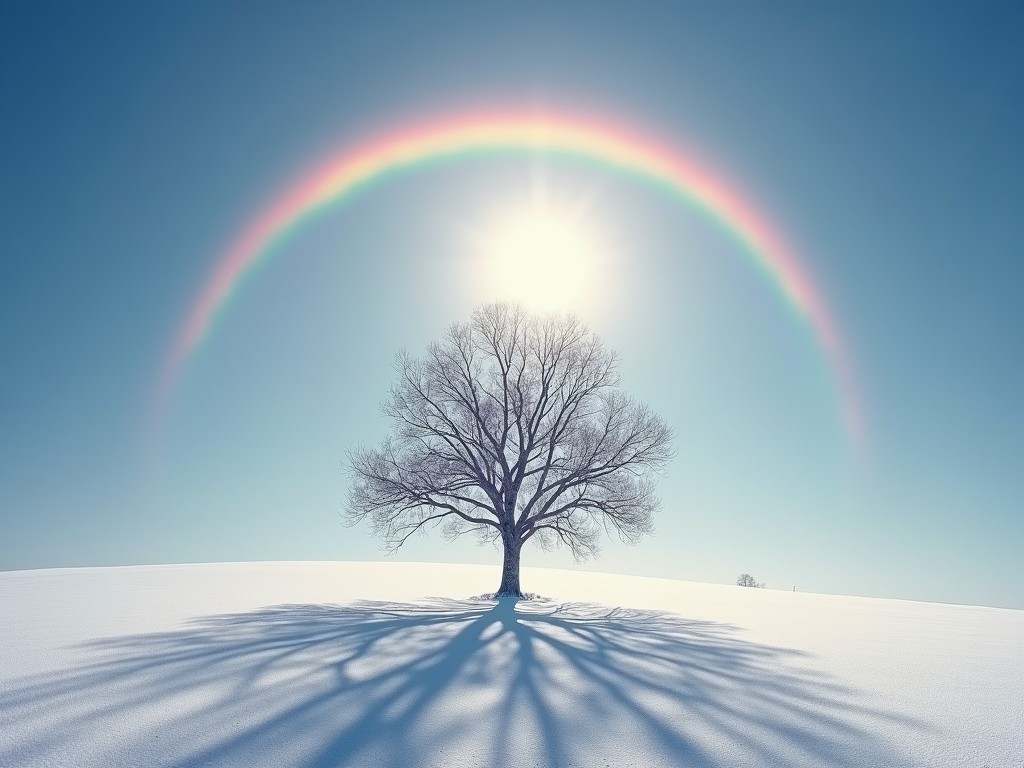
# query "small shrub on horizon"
(746, 580)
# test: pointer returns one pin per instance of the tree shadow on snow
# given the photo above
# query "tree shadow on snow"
(447, 682)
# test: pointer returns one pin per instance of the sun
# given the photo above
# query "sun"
(541, 260)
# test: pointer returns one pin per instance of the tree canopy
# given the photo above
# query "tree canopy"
(512, 427)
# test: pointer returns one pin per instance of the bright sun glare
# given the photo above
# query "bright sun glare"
(541, 260)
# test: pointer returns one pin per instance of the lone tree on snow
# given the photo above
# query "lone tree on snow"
(512, 427)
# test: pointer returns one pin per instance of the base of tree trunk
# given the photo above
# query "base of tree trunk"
(509, 586)
(518, 594)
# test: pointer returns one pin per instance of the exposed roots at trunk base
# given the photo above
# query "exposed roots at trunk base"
(522, 596)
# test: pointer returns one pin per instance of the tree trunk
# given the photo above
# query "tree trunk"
(510, 570)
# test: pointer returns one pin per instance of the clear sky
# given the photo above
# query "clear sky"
(883, 140)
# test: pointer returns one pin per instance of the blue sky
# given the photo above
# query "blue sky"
(883, 141)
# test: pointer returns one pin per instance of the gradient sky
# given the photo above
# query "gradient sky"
(883, 142)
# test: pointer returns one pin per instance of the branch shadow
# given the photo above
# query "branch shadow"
(444, 682)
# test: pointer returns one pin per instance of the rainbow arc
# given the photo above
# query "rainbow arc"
(678, 175)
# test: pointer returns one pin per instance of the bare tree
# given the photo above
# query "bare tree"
(512, 428)
(746, 580)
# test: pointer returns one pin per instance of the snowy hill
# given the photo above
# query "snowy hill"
(374, 664)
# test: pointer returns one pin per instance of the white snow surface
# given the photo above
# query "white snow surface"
(396, 664)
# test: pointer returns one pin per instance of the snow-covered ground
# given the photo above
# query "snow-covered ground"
(395, 664)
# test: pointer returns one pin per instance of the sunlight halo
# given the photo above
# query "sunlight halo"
(541, 260)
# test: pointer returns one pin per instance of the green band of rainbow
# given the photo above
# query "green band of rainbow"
(348, 173)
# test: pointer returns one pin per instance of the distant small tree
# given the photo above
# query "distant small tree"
(512, 428)
(746, 580)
